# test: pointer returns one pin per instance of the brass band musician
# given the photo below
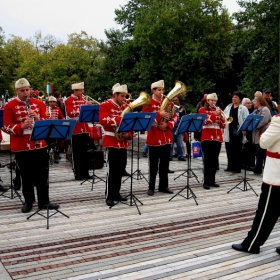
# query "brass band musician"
(32, 158)
(159, 140)
(109, 118)
(211, 139)
(80, 134)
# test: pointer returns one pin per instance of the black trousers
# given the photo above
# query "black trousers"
(266, 217)
(211, 151)
(33, 167)
(79, 154)
(234, 152)
(159, 162)
(117, 162)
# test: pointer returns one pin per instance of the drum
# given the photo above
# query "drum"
(95, 159)
(95, 133)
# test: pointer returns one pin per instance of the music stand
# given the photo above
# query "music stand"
(189, 123)
(90, 113)
(12, 188)
(250, 124)
(138, 121)
(52, 129)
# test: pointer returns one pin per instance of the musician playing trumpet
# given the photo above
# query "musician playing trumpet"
(159, 139)
(211, 139)
(33, 160)
(110, 118)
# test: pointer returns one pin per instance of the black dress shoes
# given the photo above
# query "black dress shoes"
(88, 176)
(206, 187)
(3, 189)
(170, 171)
(241, 248)
(51, 206)
(166, 190)
(110, 202)
(278, 250)
(150, 192)
(181, 159)
(26, 208)
(144, 155)
(215, 185)
(79, 178)
(125, 173)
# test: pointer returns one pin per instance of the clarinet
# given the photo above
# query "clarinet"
(27, 102)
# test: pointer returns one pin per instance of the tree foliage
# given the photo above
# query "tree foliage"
(179, 40)
(257, 41)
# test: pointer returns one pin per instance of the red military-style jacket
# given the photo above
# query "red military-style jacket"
(156, 136)
(15, 113)
(212, 127)
(109, 118)
(54, 113)
(72, 106)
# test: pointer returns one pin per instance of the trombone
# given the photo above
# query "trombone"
(224, 116)
(90, 99)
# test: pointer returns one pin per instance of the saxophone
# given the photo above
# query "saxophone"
(167, 105)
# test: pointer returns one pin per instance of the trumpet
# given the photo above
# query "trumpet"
(224, 116)
(90, 99)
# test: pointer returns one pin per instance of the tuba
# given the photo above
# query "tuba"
(143, 99)
(179, 88)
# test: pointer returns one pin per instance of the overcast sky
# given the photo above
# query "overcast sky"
(59, 18)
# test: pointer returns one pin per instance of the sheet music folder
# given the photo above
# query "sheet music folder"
(54, 129)
(89, 113)
(137, 121)
(191, 123)
(250, 123)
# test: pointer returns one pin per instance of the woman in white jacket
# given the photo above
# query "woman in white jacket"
(233, 139)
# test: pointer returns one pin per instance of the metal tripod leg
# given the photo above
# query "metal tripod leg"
(245, 185)
(48, 214)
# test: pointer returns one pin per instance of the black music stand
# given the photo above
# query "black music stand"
(51, 129)
(189, 123)
(12, 188)
(135, 122)
(250, 124)
(90, 113)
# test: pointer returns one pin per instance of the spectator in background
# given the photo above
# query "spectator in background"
(262, 109)
(233, 139)
(177, 138)
(272, 104)
(248, 152)
(60, 103)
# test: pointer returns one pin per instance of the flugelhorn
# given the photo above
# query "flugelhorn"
(224, 116)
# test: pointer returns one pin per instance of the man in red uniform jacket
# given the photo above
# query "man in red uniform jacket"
(159, 140)
(80, 134)
(32, 158)
(109, 118)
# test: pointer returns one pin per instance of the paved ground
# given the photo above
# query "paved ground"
(174, 239)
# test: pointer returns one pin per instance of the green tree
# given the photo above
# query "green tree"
(257, 41)
(179, 40)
